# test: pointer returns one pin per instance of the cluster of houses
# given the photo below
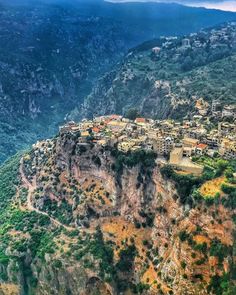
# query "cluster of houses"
(215, 109)
(169, 139)
(215, 38)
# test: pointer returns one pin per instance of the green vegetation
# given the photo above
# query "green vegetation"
(219, 250)
(222, 285)
(125, 266)
(185, 184)
(140, 288)
(146, 160)
(30, 228)
(132, 114)
(206, 72)
(126, 260)
(103, 252)
(215, 167)
(8, 181)
(62, 212)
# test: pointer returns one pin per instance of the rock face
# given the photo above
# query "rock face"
(91, 220)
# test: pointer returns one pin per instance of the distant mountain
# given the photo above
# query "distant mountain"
(164, 77)
(227, 5)
(51, 55)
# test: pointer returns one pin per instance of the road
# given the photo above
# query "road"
(31, 187)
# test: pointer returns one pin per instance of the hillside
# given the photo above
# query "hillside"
(167, 83)
(52, 54)
(81, 218)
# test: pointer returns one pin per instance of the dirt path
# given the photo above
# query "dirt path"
(31, 188)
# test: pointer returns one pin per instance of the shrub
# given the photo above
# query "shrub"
(183, 235)
(126, 260)
(57, 263)
(219, 250)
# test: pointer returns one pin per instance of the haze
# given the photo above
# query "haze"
(216, 4)
(227, 5)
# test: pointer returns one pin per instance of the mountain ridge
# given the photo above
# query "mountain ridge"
(160, 84)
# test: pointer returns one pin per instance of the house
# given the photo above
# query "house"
(229, 111)
(190, 142)
(215, 106)
(75, 129)
(95, 129)
(211, 140)
(125, 146)
(115, 117)
(116, 125)
(64, 129)
(156, 50)
(187, 151)
(102, 142)
(85, 134)
(140, 121)
(163, 145)
(186, 43)
(228, 149)
(201, 149)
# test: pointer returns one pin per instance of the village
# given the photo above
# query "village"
(173, 142)
(220, 37)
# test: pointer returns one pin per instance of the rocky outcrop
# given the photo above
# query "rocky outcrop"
(109, 225)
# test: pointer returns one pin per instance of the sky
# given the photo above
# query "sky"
(228, 5)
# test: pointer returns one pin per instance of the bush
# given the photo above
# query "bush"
(185, 184)
(96, 160)
(132, 114)
(227, 189)
(146, 160)
(183, 236)
(57, 263)
(219, 250)
(126, 260)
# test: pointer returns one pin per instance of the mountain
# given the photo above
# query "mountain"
(78, 217)
(227, 5)
(52, 52)
(165, 77)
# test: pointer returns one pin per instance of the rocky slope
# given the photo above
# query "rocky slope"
(80, 218)
(51, 54)
(167, 82)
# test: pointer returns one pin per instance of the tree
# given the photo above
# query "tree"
(127, 256)
(187, 64)
(132, 114)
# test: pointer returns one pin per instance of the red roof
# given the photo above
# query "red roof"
(140, 120)
(202, 146)
(95, 129)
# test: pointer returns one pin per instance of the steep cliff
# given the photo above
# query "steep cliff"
(80, 218)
